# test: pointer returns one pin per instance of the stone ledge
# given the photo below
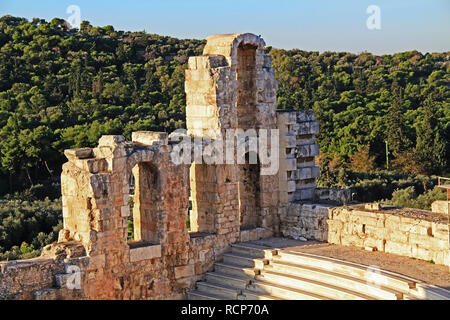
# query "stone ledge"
(80, 153)
(147, 138)
(440, 206)
(254, 234)
(145, 253)
(207, 62)
(14, 265)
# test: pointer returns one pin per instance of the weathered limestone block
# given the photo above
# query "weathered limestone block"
(400, 237)
(20, 279)
(111, 140)
(305, 151)
(415, 229)
(335, 225)
(392, 223)
(402, 249)
(206, 62)
(303, 128)
(63, 250)
(303, 193)
(305, 115)
(373, 206)
(291, 164)
(440, 206)
(80, 153)
(147, 138)
(305, 173)
(291, 186)
(145, 253)
(398, 234)
(184, 271)
(440, 231)
(340, 196)
(305, 220)
(291, 141)
(442, 257)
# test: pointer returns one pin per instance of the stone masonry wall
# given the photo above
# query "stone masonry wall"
(230, 86)
(96, 210)
(408, 232)
(19, 280)
(424, 236)
(298, 150)
(305, 221)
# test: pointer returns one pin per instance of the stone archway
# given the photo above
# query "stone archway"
(246, 81)
(146, 201)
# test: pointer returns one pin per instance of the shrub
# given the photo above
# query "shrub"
(27, 226)
(408, 198)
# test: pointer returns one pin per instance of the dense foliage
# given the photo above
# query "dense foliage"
(26, 227)
(364, 100)
(396, 188)
(63, 88)
(410, 199)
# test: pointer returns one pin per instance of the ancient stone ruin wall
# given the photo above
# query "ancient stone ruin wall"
(301, 216)
(20, 280)
(424, 237)
(96, 214)
(162, 260)
(305, 221)
(298, 149)
(232, 87)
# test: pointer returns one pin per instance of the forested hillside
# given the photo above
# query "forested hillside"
(60, 88)
(63, 88)
(363, 100)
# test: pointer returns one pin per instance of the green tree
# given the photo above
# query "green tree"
(395, 128)
(430, 146)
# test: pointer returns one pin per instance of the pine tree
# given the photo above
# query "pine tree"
(430, 146)
(395, 129)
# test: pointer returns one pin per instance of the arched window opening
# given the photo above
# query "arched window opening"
(246, 78)
(145, 195)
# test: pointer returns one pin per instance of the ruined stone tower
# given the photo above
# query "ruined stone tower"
(230, 87)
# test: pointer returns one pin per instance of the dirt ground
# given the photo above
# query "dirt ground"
(424, 271)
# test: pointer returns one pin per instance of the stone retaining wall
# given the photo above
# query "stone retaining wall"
(308, 221)
(231, 86)
(420, 238)
(407, 232)
(20, 279)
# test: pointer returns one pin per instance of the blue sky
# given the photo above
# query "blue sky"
(336, 25)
